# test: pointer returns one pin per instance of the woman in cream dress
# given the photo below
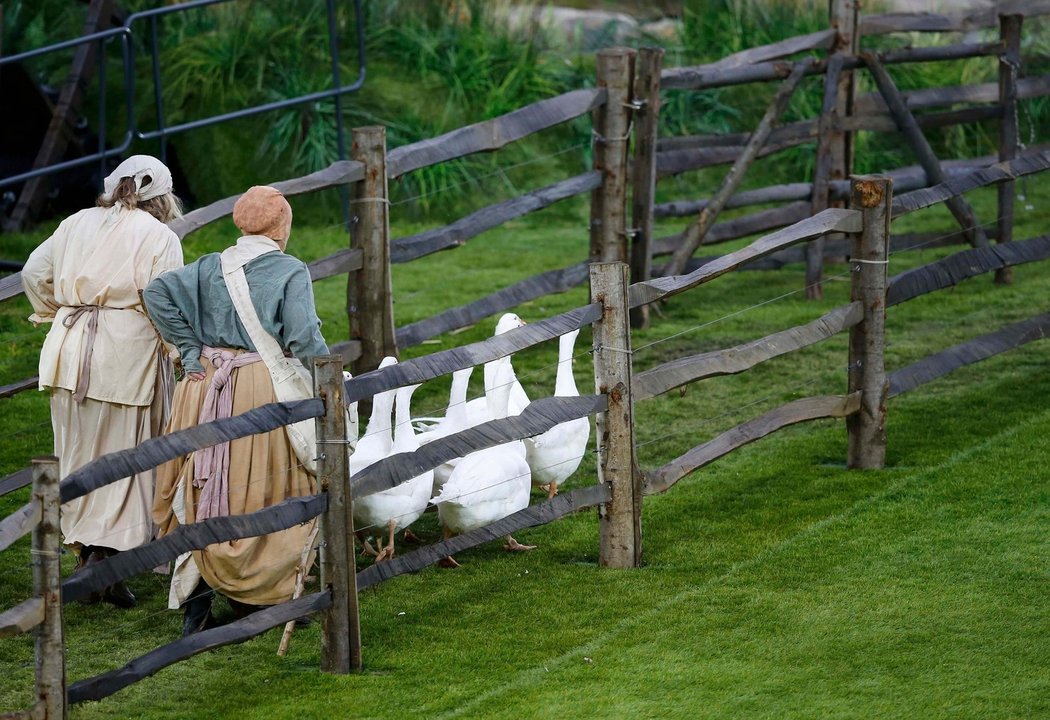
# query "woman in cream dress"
(103, 363)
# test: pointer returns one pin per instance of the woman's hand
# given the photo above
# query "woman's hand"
(195, 376)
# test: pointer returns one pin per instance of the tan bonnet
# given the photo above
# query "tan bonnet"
(262, 210)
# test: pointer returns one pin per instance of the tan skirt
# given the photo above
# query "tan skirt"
(116, 516)
(264, 471)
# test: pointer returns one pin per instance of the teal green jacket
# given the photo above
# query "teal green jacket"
(192, 308)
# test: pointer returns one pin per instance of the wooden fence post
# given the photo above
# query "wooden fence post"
(643, 173)
(370, 300)
(612, 122)
(47, 584)
(341, 626)
(834, 145)
(1009, 68)
(873, 196)
(620, 519)
(843, 16)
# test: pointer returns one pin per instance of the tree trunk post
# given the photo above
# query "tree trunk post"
(341, 626)
(370, 301)
(873, 196)
(643, 180)
(47, 584)
(1009, 69)
(610, 138)
(834, 145)
(843, 15)
(620, 519)
(822, 177)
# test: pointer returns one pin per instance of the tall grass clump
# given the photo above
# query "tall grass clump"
(452, 64)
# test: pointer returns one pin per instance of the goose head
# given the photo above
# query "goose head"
(509, 321)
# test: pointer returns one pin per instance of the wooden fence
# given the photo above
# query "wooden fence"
(621, 487)
(810, 225)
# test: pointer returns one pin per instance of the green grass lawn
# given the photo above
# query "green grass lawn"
(775, 583)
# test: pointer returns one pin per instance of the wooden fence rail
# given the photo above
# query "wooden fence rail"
(830, 220)
(664, 477)
(19, 523)
(106, 684)
(561, 505)
(151, 453)
(537, 286)
(952, 270)
(731, 361)
(954, 22)
(195, 536)
(1025, 164)
(495, 133)
(22, 617)
(456, 234)
(428, 367)
(972, 351)
(905, 179)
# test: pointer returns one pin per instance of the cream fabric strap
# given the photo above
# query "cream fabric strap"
(233, 261)
(291, 381)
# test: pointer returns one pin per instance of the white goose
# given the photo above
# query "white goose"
(477, 409)
(555, 455)
(487, 485)
(376, 444)
(400, 506)
(454, 421)
(352, 424)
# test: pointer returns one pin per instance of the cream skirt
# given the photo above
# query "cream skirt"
(118, 515)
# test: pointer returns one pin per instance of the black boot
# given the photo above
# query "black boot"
(197, 610)
(89, 555)
(242, 610)
(118, 593)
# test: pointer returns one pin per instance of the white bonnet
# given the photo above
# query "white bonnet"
(140, 167)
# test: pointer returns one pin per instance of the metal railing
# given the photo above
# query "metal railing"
(132, 132)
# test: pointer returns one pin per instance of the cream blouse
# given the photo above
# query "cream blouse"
(100, 257)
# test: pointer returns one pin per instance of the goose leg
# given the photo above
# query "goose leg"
(387, 553)
(412, 537)
(552, 489)
(366, 547)
(448, 561)
(516, 546)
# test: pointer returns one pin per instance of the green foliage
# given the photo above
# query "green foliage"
(437, 66)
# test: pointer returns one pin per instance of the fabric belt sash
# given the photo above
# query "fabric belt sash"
(211, 465)
(91, 311)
